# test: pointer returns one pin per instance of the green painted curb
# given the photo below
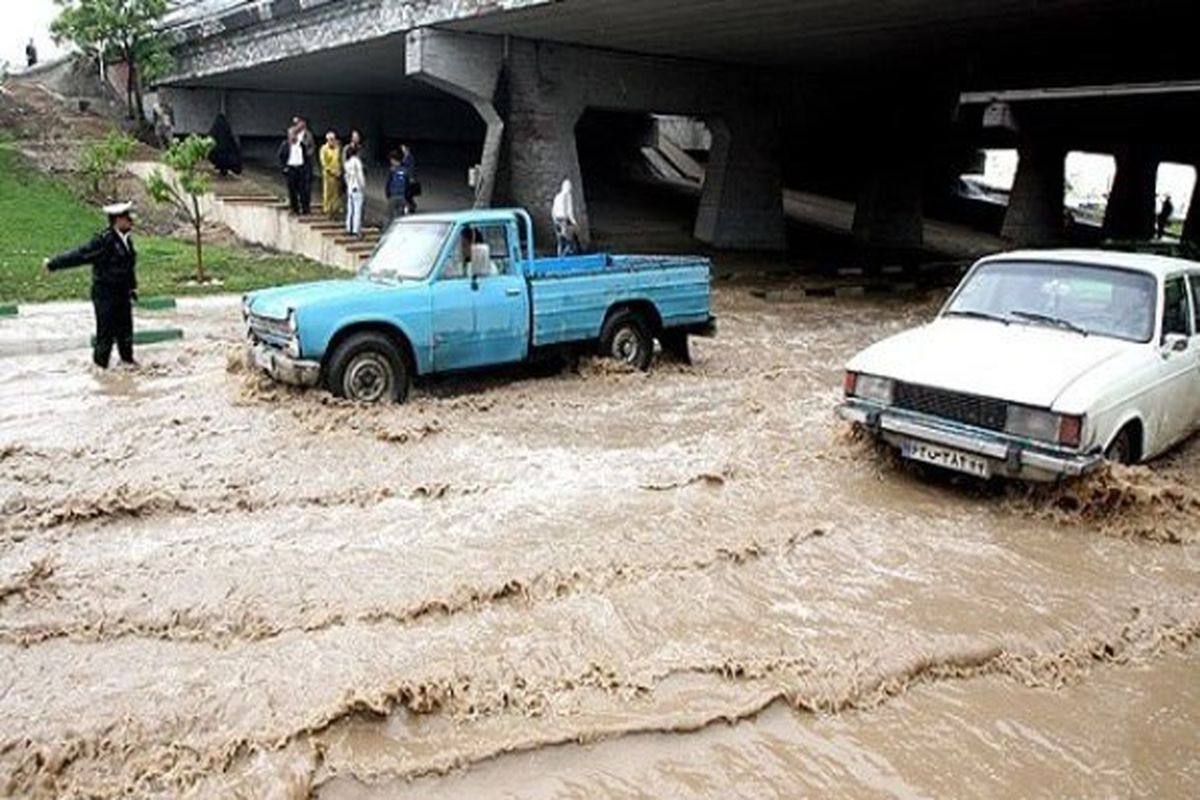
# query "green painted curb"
(153, 336)
(156, 303)
(8, 311)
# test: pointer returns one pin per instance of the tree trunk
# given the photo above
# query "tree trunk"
(135, 85)
(198, 221)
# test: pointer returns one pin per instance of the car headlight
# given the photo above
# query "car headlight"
(292, 325)
(1044, 426)
(870, 387)
(245, 307)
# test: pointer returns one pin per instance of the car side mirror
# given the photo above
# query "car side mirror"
(481, 260)
(1174, 343)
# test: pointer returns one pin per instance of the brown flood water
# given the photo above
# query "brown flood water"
(694, 583)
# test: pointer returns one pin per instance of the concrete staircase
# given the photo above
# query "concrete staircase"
(263, 218)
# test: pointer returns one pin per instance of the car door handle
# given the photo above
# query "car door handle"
(512, 292)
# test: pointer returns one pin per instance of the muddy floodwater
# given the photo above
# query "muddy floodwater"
(692, 583)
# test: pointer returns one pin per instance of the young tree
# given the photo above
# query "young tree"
(125, 30)
(187, 158)
(101, 162)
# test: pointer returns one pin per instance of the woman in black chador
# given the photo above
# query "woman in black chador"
(226, 156)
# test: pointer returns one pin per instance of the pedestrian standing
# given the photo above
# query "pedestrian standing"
(331, 175)
(31, 55)
(565, 225)
(291, 160)
(397, 187)
(310, 160)
(408, 163)
(226, 154)
(114, 283)
(356, 191)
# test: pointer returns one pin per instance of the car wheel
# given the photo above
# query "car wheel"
(368, 368)
(627, 338)
(1121, 449)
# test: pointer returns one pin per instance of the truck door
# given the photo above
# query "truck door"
(453, 309)
(501, 298)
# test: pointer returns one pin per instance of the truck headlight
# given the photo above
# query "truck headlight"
(870, 387)
(1044, 426)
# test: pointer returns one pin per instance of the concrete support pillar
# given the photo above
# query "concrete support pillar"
(1035, 206)
(890, 210)
(1131, 204)
(542, 98)
(467, 67)
(741, 205)
(1191, 225)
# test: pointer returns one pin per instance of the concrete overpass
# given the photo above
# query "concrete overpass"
(857, 98)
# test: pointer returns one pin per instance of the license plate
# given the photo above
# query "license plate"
(946, 458)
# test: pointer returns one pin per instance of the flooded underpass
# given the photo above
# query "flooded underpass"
(691, 583)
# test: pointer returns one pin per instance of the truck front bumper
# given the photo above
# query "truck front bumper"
(282, 367)
(1005, 455)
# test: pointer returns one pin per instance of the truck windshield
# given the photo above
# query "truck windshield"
(1081, 298)
(407, 252)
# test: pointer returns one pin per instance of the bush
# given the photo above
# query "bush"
(101, 163)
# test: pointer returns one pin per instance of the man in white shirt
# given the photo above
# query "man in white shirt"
(293, 159)
(565, 224)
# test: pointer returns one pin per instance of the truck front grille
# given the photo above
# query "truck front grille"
(272, 331)
(981, 412)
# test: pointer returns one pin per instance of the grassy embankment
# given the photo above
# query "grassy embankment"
(41, 216)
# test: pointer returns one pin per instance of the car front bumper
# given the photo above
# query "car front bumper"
(282, 367)
(1006, 455)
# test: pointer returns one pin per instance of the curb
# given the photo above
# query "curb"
(8, 310)
(156, 303)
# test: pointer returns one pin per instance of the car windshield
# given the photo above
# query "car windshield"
(407, 252)
(1082, 298)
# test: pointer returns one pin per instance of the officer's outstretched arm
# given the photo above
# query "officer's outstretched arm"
(79, 256)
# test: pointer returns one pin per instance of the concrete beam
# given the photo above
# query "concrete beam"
(467, 67)
(741, 205)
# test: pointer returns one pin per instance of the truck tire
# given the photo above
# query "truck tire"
(368, 368)
(627, 338)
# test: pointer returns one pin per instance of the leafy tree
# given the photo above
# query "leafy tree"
(125, 30)
(101, 162)
(187, 158)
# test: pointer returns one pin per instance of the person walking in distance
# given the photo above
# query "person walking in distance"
(331, 176)
(114, 283)
(565, 224)
(1164, 216)
(291, 160)
(356, 191)
(397, 188)
(31, 55)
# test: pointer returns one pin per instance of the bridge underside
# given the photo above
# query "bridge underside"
(855, 99)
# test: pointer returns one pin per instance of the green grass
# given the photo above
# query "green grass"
(41, 216)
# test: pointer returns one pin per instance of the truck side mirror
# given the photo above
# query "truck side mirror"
(481, 260)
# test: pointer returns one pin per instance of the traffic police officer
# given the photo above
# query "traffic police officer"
(114, 282)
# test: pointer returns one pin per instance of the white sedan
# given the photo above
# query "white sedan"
(1040, 366)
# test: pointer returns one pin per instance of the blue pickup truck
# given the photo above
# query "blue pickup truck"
(463, 291)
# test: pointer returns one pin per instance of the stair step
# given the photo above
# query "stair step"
(367, 238)
(361, 247)
(246, 199)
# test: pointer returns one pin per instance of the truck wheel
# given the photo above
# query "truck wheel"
(367, 368)
(626, 338)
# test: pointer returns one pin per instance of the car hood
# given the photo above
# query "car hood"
(274, 303)
(1018, 363)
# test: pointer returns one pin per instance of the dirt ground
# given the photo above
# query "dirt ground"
(692, 583)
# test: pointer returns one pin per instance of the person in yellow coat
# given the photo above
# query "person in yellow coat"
(331, 173)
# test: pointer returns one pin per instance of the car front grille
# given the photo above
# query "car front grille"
(272, 331)
(982, 412)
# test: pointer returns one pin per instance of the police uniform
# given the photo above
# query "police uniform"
(114, 286)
